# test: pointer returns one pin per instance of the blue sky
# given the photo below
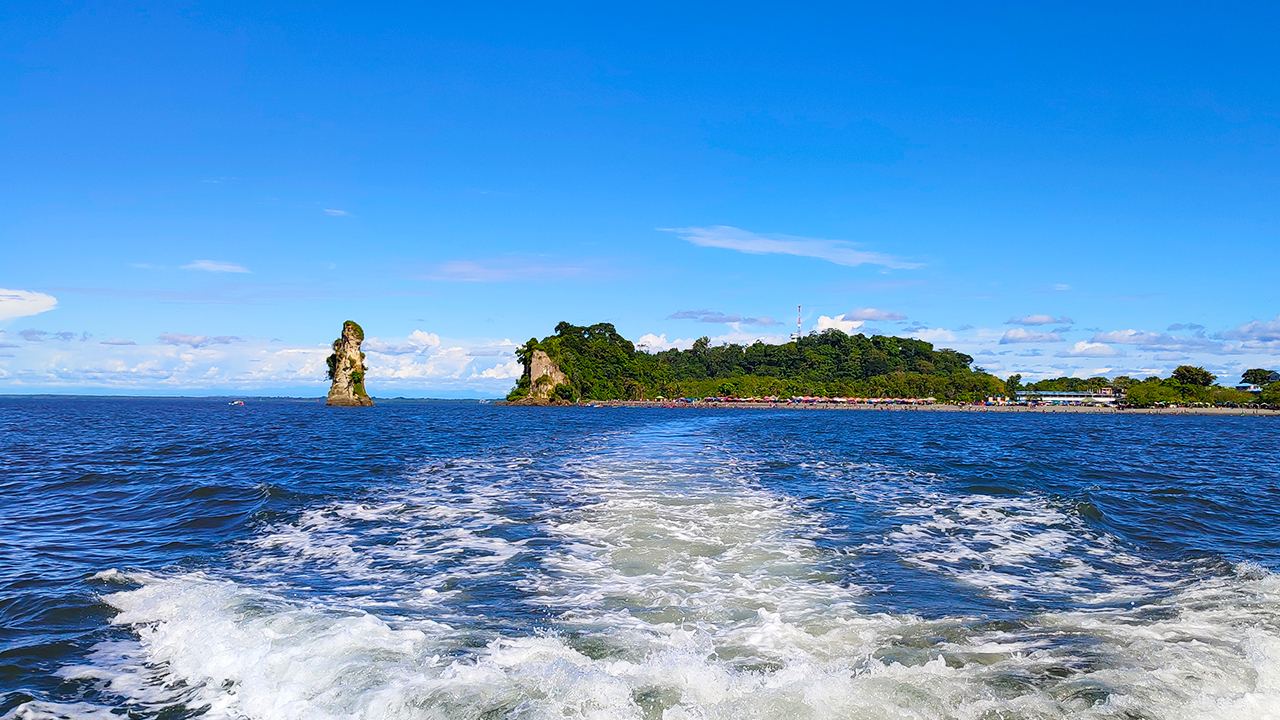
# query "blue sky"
(197, 195)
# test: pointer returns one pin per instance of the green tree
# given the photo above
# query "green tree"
(1193, 376)
(1271, 394)
(1257, 376)
(1012, 386)
(1152, 391)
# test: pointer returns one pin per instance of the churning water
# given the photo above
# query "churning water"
(174, 559)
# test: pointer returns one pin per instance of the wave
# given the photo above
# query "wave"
(659, 578)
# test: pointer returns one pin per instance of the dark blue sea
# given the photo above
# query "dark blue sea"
(187, 558)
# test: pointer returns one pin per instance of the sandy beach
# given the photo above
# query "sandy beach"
(937, 407)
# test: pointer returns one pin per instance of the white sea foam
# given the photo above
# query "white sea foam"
(678, 588)
(1021, 547)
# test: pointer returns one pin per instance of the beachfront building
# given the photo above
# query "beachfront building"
(1102, 396)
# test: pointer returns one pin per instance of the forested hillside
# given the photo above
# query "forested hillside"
(600, 364)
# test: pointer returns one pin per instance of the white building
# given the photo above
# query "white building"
(1103, 396)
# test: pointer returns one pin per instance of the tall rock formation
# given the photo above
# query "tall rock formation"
(347, 369)
(544, 376)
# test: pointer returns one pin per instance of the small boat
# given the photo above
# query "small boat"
(236, 402)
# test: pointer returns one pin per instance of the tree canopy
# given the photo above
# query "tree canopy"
(1259, 376)
(602, 365)
(1189, 375)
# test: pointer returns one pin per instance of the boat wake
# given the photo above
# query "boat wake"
(657, 577)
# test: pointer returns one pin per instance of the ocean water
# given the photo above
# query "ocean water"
(185, 558)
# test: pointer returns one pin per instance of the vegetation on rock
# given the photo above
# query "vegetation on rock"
(600, 364)
(355, 372)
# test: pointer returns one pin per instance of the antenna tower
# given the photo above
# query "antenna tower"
(797, 335)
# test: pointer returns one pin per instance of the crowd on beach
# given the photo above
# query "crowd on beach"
(988, 405)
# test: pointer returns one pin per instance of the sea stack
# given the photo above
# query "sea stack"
(347, 369)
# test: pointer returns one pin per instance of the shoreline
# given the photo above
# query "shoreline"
(938, 407)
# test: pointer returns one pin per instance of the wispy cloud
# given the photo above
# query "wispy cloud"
(834, 251)
(712, 316)
(1019, 335)
(1257, 331)
(508, 269)
(1033, 320)
(418, 342)
(337, 213)
(1185, 326)
(34, 335)
(873, 314)
(196, 341)
(21, 303)
(1158, 341)
(117, 341)
(215, 266)
(1090, 349)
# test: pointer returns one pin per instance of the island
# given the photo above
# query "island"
(595, 363)
(347, 369)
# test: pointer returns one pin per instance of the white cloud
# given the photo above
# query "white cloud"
(656, 343)
(1032, 320)
(1257, 331)
(1061, 287)
(1019, 335)
(417, 343)
(215, 266)
(1090, 349)
(834, 251)
(196, 341)
(425, 360)
(162, 367)
(1158, 341)
(337, 213)
(848, 327)
(117, 341)
(439, 363)
(712, 316)
(510, 370)
(933, 335)
(195, 364)
(873, 314)
(21, 303)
